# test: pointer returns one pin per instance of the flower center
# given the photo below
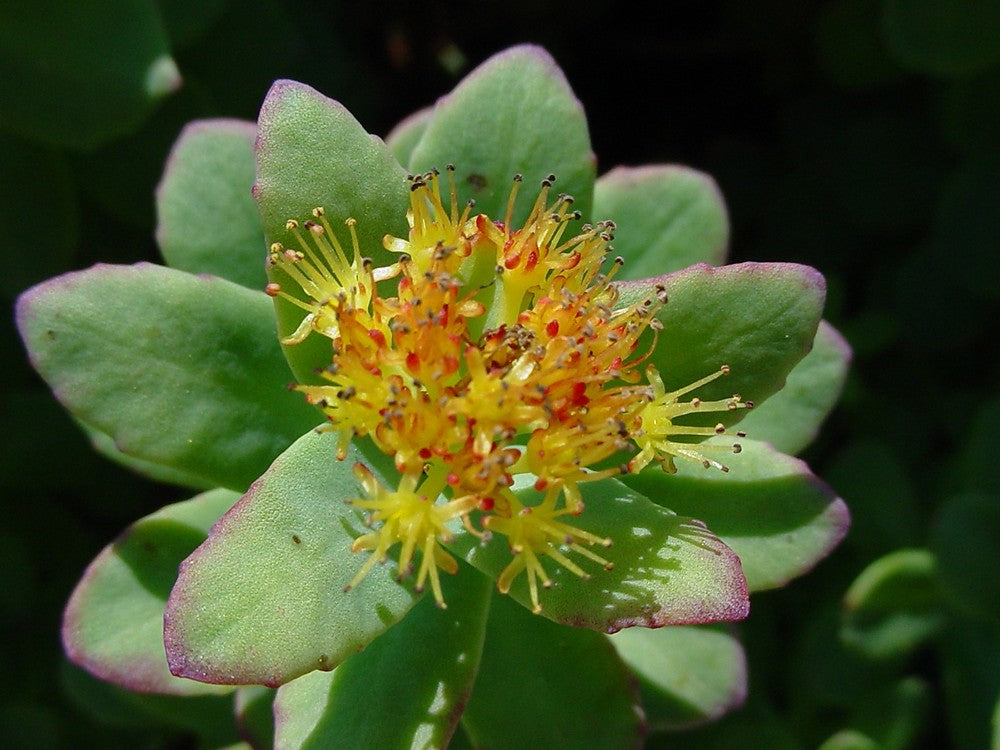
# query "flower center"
(504, 351)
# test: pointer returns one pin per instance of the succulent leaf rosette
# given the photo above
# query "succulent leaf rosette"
(531, 421)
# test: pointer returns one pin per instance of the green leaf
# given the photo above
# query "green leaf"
(966, 527)
(207, 221)
(513, 114)
(894, 606)
(417, 676)
(403, 138)
(759, 318)
(770, 509)
(103, 66)
(688, 674)
(312, 152)
(791, 418)
(113, 624)
(179, 370)
(668, 569)
(105, 445)
(262, 601)
(850, 739)
(946, 38)
(543, 686)
(668, 218)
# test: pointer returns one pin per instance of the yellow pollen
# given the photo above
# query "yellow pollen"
(502, 351)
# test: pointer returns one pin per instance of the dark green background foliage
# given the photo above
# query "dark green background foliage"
(857, 136)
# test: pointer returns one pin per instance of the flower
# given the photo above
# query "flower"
(502, 351)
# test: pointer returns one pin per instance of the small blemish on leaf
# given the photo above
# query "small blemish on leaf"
(296, 539)
(477, 182)
(50, 334)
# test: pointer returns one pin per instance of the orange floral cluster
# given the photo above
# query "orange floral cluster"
(503, 351)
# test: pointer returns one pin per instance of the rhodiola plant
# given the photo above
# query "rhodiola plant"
(493, 444)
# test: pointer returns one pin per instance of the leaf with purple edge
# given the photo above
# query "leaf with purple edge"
(688, 674)
(668, 217)
(668, 569)
(262, 601)
(790, 419)
(548, 687)
(419, 672)
(770, 509)
(207, 221)
(758, 318)
(312, 152)
(515, 113)
(178, 370)
(113, 624)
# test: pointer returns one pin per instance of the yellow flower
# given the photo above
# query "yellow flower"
(504, 351)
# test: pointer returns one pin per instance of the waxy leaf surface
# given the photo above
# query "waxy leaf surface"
(791, 418)
(514, 114)
(312, 152)
(770, 509)
(668, 569)
(262, 600)
(178, 370)
(417, 676)
(207, 221)
(758, 318)
(668, 218)
(549, 687)
(688, 674)
(113, 624)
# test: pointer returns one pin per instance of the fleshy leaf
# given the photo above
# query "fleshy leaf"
(207, 221)
(179, 370)
(668, 218)
(312, 152)
(791, 418)
(894, 605)
(548, 687)
(105, 445)
(758, 318)
(262, 600)
(513, 114)
(403, 138)
(105, 64)
(688, 674)
(850, 739)
(113, 625)
(966, 526)
(770, 509)
(417, 675)
(668, 569)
